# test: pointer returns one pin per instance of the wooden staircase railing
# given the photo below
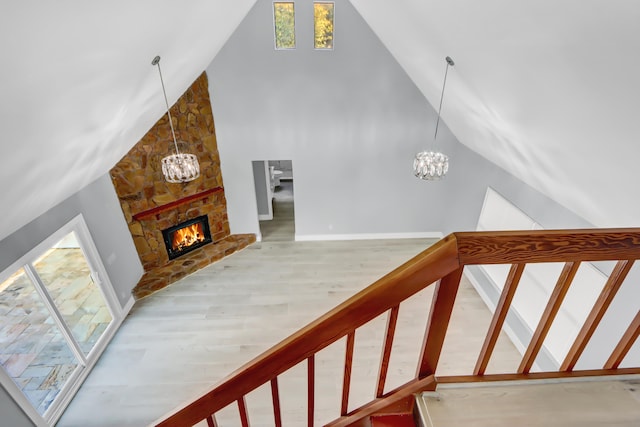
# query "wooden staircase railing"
(442, 264)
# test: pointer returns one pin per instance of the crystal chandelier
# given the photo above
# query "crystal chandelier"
(178, 167)
(432, 165)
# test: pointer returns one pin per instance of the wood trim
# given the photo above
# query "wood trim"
(499, 316)
(546, 320)
(461, 379)
(625, 344)
(444, 298)
(310, 389)
(595, 316)
(211, 421)
(390, 398)
(423, 270)
(275, 399)
(392, 320)
(346, 381)
(242, 408)
(510, 247)
(172, 205)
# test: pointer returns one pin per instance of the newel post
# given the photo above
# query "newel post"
(444, 297)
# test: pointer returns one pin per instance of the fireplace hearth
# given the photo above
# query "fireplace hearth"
(186, 236)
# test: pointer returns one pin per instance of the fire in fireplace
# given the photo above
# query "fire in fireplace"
(186, 236)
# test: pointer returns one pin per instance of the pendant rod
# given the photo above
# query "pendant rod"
(156, 61)
(449, 63)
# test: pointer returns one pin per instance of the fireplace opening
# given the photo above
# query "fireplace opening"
(186, 236)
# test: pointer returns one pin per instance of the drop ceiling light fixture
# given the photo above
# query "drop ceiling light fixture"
(178, 167)
(432, 165)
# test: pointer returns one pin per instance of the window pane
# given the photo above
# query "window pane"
(323, 25)
(67, 277)
(33, 351)
(284, 20)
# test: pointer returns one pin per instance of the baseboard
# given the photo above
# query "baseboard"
(258, 237)
(128, 306)
(368, 236)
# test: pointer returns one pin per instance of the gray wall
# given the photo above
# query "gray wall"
(98, 203)
(260, 182)
(467, 183)
(350, 119)
(12, 415)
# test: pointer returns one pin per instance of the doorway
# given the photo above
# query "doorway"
(56, 314)
(275, 199)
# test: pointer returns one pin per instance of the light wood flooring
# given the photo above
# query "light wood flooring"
(178, 342)
(281, 228)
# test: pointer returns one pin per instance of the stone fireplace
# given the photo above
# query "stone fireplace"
(153, 206)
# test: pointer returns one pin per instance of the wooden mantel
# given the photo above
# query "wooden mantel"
(167, 207)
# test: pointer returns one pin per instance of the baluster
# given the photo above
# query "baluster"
(625, 344)
(555, 301)
(310, 390)
(499, 316)
(346, 384)
(211, 421)
(595, 316)
(444, 298)
(242, 407)
(275, 397)
(392, 320)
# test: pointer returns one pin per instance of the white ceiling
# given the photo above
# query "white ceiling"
(547, 89)
(78, 88)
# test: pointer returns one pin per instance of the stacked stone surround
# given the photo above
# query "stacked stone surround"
(141, 187)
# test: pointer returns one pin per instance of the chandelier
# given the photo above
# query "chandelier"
(432, 165)
(178, 167)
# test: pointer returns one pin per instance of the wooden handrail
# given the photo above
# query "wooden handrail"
(510, 247)
(442, 264)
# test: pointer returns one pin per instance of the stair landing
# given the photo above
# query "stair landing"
(564, 404)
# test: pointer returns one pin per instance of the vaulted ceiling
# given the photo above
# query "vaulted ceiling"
(547, 90)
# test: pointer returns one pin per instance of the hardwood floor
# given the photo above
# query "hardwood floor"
(179, 341)
(281, 228)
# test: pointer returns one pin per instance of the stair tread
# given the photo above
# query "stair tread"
(568, 404)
